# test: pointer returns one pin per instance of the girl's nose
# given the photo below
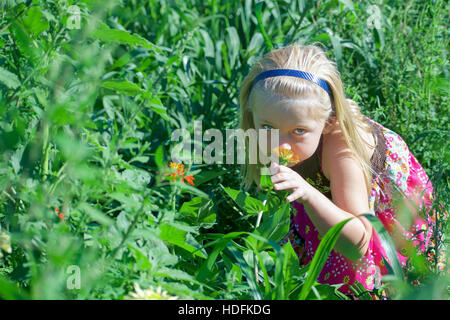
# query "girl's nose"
(284, 145)
(284, 141)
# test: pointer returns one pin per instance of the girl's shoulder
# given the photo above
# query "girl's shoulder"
(344, 172)
(335, 147)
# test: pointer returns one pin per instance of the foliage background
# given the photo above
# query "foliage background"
(86, 117)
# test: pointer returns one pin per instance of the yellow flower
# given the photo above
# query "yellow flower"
(149, 294)
(346, 279)
(179, 167)
(369, 280)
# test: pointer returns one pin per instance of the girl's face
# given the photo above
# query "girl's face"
(298, 131)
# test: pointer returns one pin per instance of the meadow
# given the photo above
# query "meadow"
(90, 94)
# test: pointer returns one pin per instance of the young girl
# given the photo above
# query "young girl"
(366, 166)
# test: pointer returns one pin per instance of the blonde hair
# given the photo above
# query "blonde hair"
(310, 59)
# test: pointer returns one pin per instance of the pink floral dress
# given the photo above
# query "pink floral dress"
(396, 173)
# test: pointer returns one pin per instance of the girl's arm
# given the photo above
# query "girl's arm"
(348, 189)
(349, 197)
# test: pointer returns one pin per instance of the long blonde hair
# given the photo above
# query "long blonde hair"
(310, 59)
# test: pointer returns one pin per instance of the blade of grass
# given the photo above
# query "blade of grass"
(263, 268)
(261, 26)
(280, 292)
(251, 280)
(388, 246)
(220, 246)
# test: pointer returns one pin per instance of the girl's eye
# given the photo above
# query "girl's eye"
(266, 126)
(299, 131)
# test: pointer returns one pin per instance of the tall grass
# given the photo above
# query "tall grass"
(86, 118)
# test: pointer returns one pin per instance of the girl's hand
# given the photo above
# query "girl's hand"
(285, 178)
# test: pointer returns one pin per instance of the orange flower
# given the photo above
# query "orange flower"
(286, 156)
(190, 179)
(60, 215)
(178, 172)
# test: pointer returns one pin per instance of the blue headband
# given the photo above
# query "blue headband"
(293, 73)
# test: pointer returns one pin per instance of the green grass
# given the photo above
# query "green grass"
(86, 117)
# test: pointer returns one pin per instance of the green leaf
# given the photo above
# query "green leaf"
(205, 176)
(323, 250)
(157, 106)
(180, 238)
(245, 202)
(128, 202)
(199, 212)
(184, 187)
(73, 150)
(220, 244)
(250, 253)
(122, 222)
(124, 37)
(34, 21)
(176, 275)
(261, 26)
(206, 267)
(123, 60)
(209, 45)
(158, 252)
(135, 178)
(275, 227)
(11, 291)
(233, 45)
(249, 273)
(291, 268)
(358, 289)
(142, 261)
(159, 156)
(122, 86)
(279, 290)
(440, 85)
(337, 47)
(255, 44)
(9, 79)
(226, 63)
(322, 37)
(324, 292)
(348, 4)
(96, 214)
(388, 245)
